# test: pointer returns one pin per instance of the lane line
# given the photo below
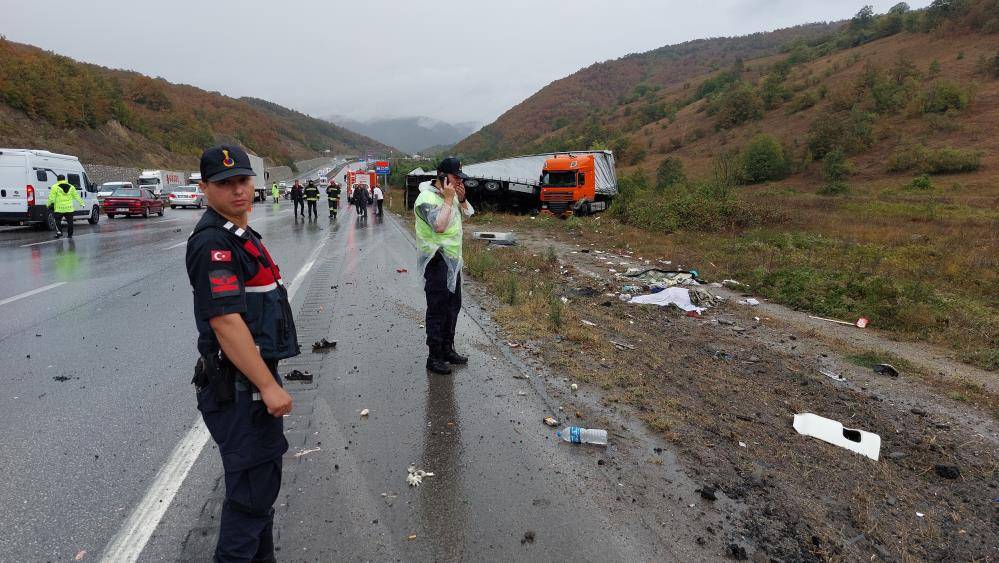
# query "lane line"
(128, 543)
(181, 243)
(56, 240)
(30, 293)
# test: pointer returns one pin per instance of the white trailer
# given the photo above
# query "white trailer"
(161, 182)
(260, 180)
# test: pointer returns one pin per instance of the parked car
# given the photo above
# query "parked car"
(108, 187)
(187, 196)
(132, 201)
(25, 178)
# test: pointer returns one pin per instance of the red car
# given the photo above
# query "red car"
(132, 201)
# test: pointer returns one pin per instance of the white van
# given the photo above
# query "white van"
(25, 178)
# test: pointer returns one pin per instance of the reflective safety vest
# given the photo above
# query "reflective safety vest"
(311, 193)
(428, 242)
(60, 200)
(274, 190)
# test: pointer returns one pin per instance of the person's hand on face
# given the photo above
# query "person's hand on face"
(449, 189)
(459, 188)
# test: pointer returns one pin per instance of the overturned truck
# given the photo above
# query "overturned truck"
(562, 184)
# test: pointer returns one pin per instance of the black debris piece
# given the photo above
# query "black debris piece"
(323, 345)
(528, 537)
(295, 375)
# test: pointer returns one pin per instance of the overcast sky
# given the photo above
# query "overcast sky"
(456, 60)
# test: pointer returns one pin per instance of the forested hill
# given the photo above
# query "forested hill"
(125, 118)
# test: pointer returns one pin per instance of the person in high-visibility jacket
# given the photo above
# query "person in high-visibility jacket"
(438, 211)
(61, 196)
(312, 199)
(333, 198)
(275, 192)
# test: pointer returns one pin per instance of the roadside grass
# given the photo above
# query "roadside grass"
(923, 266)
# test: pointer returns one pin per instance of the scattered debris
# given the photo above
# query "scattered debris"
(521, 376)
(411, 537)
(574, 387)
(323, 345)
(679, 296)
(886, 369)
(551, 421)
(859, 323)
(61, 378)
(833, 432)
(295, 375)
(401, 270)
(577, 435)
(709, 493)
(589, 323)
(743, 445)
(947, 471)
(528, 537)
(920, 514)
(662, 279)
(513, 344)
(504, 238)
(307, 452)
(831, 375)
(732, 284)
(136, 293)
(365, 412)
(415, 476)
(749, 301)
(622, 345)
(80, 555)
(723, 355)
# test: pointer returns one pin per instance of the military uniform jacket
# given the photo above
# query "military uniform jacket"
(231, 271)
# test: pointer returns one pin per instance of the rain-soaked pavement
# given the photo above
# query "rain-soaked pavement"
(81, 453)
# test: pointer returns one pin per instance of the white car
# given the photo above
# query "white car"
(107, 187)
(187, 196)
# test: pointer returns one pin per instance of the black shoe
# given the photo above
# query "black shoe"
(58, 235)
(438, 366)
(452, 357)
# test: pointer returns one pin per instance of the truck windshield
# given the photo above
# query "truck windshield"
(148, 181)
(559, 179)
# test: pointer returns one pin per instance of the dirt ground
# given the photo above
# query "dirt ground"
(722, 389)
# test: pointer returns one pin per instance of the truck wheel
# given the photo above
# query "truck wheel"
(95, 216)
(584, 209)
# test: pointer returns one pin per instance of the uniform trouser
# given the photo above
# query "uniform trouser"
(299, 204)
(313, 210)
(69, 222)
(380, 206)
(252, 443)
(361, 208)
(334, 204)
(442, 306)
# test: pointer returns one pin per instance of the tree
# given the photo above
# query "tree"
(669, 173)
(763, 160)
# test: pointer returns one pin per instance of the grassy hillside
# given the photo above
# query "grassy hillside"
(850, 174)
(125, 118)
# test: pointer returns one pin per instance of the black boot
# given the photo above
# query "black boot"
(453, 357)
(437, 362)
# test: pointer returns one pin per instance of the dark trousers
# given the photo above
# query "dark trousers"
(252, 444)
(69, 223)
(299, 204)
(313, 210)
(442, 306)
(380, 206)
(334, 204)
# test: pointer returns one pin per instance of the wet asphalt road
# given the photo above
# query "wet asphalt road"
(79, 454)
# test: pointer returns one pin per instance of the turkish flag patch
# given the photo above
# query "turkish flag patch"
(221, 256)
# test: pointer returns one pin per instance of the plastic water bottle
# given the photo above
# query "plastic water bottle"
(577, 435)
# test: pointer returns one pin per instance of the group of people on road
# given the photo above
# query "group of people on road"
(362, 196)
(245, 327)
(308, 197)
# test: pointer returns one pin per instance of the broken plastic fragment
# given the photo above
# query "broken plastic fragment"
(551, 421)
(574, 387)
(415, 476)
(886, 369)
(306, 452)
(831, 431)
(365, 412)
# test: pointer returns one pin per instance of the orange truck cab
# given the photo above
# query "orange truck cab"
(568, 186)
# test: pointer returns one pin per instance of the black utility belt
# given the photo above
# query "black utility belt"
(221, 377)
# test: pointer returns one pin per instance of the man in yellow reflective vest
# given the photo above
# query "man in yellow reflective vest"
(438, 211)
(61, 196)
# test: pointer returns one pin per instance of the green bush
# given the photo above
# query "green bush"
(945, 95)
(947, 160)
(699, 208)
(669, 173)
(803, 101)
(920, 183)
(763, 160)
(739, 104)
(850, 131)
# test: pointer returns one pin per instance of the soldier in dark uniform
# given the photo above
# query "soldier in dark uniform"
(333, 198)
(245, 326)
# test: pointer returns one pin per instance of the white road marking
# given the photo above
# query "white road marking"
(166, 220)
(131, 539)
(56, 240)
(181, 243)
(30, 293)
